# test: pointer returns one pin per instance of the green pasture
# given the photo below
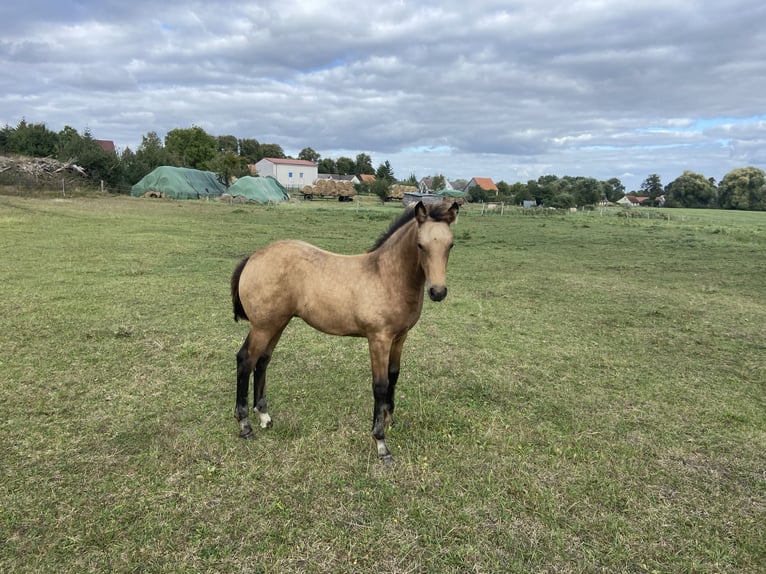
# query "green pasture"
(588, 398)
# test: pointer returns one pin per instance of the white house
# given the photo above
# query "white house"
(292, 173)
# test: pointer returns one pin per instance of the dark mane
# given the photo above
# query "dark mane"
(395, 226)
(435, 212)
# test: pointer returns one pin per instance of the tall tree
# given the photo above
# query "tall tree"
(520, 192)
(385, 172)
(308, 154)
(690, 190)
(546, 188)
(327, 165)
(227, 166)
(614, 189)
(250, 150)
(652, 186)
(363, 164)
(34, 140)
(228, 144)
(193, 146)
(587, 191)
(345, 166)
(152, 152)
(69, 144)
(271, 150)
(438, 182)
(412, 180)
(743, 188)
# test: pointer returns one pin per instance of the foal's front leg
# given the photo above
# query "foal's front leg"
(380, 349)
(394, 362)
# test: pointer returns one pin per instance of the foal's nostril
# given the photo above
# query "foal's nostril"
(437, 293)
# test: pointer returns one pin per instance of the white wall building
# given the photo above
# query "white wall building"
(292, 173)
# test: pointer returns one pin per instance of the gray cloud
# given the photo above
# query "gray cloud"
(506, 90)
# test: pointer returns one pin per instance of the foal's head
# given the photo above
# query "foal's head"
(434, 243)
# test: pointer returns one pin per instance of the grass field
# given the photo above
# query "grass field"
(588, 398)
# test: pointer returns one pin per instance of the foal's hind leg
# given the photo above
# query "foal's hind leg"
(241, 411)
(259, 382)
(254, 357)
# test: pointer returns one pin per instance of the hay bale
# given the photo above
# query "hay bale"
(397, 191)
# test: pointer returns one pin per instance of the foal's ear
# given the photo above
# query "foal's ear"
(421, 214)
(453, 211)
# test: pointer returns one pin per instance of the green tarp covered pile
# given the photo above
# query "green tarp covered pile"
(179, 183)
(258, 189)
(450, 193)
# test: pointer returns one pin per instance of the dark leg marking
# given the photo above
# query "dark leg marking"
(241, 410)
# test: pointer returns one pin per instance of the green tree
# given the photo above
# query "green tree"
(546, 188)
(614, 189)
(652, 186)
(271, 150)
(100, 165)
(519, 192)
(363, 164)
(227, 166)
(309, 154)
(345, 166)
(6, 133)
(228, 144)
(151, 153)
(587, 191)
(743, 188)
(504, 191)
(412, 180)
(69, 145)
(34, 140)
(193, 146)
(438, 182)
(563, 200)
(690, 190)
(477, 195)
(250, 150)
(327, 165)
(132, 169)
(385, 172)
(381, 188)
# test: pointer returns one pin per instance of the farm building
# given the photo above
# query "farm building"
(484, 183)
(293, 174)
(631, 201)
(425, 185)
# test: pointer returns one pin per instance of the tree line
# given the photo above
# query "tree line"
(229, 157)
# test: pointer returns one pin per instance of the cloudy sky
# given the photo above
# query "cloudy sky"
(510, 90)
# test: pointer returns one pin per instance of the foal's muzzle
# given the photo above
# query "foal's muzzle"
(437, 292)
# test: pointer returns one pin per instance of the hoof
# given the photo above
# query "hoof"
(247, 432)
(387, 459)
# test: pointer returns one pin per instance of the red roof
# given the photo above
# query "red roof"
(485, 183)
(290, 161)
(367, 177)
(106, 145)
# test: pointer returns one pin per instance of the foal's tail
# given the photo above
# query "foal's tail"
(239, 311)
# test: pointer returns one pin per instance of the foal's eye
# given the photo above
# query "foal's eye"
(451, 245)
(420, 245)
